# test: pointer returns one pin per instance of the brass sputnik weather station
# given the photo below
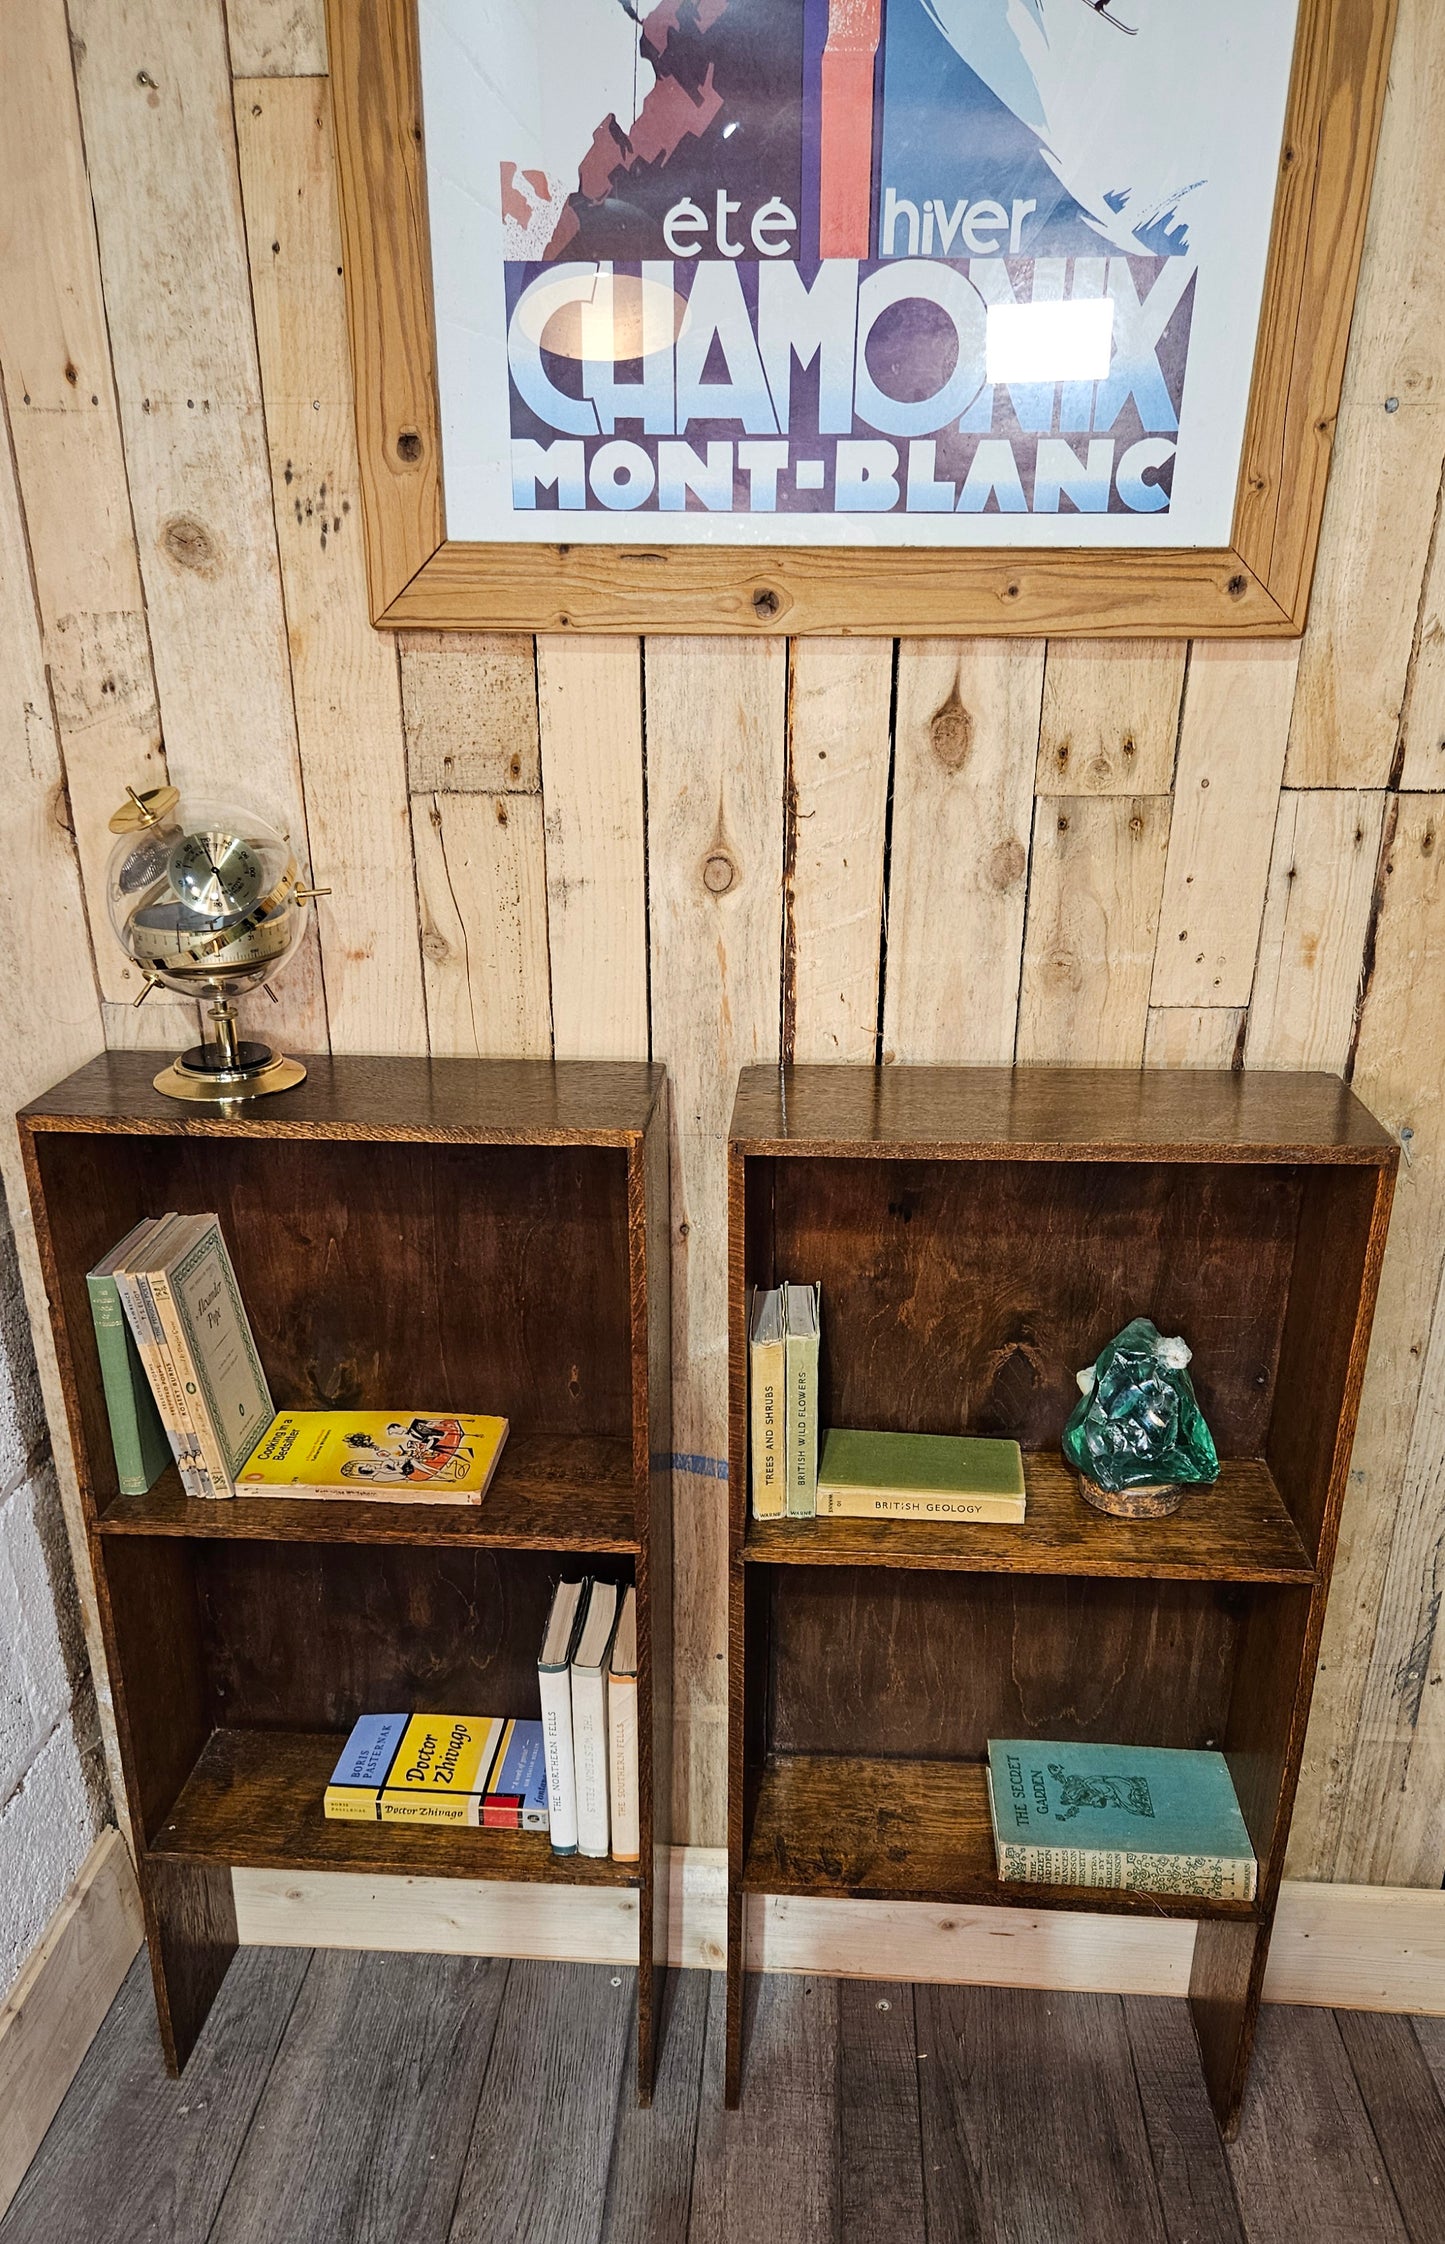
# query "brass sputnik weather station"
(208, 899)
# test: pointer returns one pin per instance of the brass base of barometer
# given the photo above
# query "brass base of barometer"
(231, 1069)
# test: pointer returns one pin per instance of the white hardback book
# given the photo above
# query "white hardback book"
(622, 1735)
(765, 1384)
(801, 1324)
(589, 1717)
(554, 1685)
(149, 1334)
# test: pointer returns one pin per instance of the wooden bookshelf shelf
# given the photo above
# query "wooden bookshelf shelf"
(978, 1235)
(836, 1827)
(442, 1235)
(551, 1492)
(254, 1801)
(1237, 1531)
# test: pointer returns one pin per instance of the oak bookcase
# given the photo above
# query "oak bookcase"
(445, 1234)
(978, 1235)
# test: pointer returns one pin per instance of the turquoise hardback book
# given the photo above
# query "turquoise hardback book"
(1137, 1818)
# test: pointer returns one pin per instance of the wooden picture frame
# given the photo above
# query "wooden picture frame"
(1256, 587)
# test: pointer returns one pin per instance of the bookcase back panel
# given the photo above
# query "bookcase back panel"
(490, 1278)
(308, 1636)
(905, 1665)
(964, 1295)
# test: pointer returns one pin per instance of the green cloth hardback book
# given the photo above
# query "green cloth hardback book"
(1138, 1818)
(919, 1476)
(137, 1436)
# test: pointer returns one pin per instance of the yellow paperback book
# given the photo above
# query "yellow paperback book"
(388, 1456)
(440, 1771)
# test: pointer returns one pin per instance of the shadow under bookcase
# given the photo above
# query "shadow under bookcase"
(978, 1235)
(431, 1235)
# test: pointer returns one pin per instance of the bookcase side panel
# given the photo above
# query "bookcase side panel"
(650, 1242)
(165, 1705)
(1323, 1343)
(1264, 1730)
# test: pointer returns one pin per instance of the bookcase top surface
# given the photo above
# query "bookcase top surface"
(484, 1102)
(1070, 1114)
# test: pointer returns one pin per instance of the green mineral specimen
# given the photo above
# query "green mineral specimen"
(1137, 1420)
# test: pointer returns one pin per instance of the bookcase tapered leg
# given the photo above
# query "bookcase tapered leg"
(649, 1993)
(733, 2074)
(1225, 1986)
(190, 1913)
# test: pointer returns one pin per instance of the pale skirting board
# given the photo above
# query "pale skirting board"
(1352, 1947)
(53, 2010)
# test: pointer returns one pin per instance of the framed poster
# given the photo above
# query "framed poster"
(851, 315)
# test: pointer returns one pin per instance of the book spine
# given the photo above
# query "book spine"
(128, 1399)
(175, 1391)
(193, 1394)
(501, 1815)
(135, 1300)
(1211, 1877)
(766, 1366)
(349, 1803)
(589, 1742)
(555, 1689)
(622, 1767)
(852, 1503)
(802, 1428)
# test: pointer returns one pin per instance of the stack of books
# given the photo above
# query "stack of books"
(861, 1474)
(1137, 1819)
(587, 1679)
(783, 1337)
(182, 1378)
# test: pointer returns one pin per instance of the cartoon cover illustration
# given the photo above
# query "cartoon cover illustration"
(417, 1449)
(900, 259)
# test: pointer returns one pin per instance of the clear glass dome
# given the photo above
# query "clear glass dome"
(203, 894)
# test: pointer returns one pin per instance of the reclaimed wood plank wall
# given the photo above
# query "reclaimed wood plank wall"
(713, 851)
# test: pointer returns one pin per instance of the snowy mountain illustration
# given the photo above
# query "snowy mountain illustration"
(1119, 120)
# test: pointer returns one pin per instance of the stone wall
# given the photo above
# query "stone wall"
(52, 1786)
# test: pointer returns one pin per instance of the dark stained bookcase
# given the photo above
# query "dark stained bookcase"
(437, 1235)
(979, 1234)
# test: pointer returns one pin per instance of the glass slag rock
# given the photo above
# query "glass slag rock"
(1137, 1420)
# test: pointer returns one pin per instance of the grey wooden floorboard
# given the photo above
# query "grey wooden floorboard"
(536, 2169)
(881, 2150)
(1405, 2113)
(649, 2179)
(1306, 2166)
(133, 2154)
(768, 2174)
(1430, 2034)
(1032, 2126)
(1196, 2195)
(363, 2124)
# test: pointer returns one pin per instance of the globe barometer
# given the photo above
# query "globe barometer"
(208, 899)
